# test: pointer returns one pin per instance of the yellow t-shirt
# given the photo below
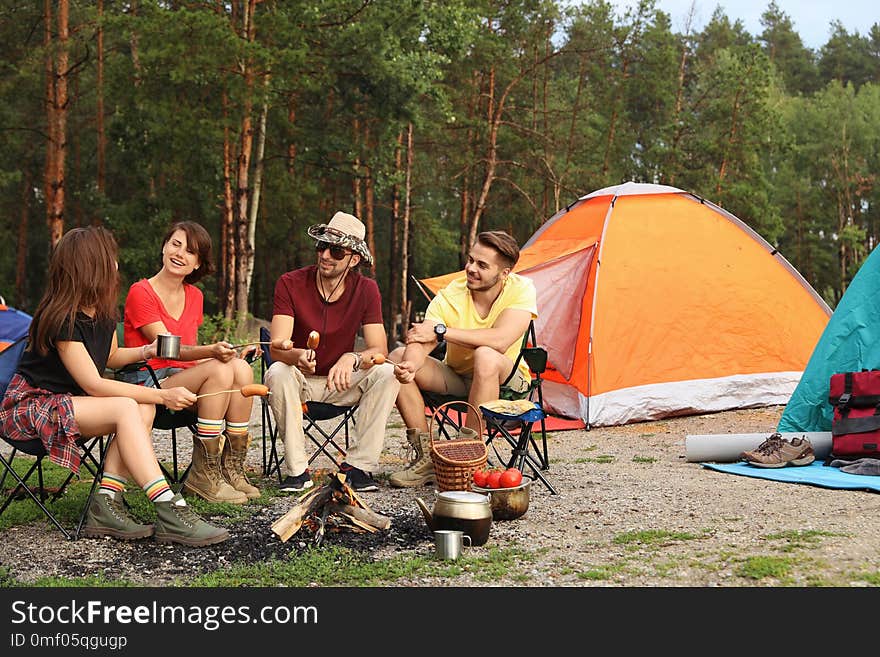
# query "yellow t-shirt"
(454, 307)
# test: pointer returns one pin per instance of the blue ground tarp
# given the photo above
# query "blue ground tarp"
(815, 474)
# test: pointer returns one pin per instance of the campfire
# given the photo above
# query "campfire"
(333, 507)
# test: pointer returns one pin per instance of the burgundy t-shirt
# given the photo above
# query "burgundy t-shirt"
(296, 294)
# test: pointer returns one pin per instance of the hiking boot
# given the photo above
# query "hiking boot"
(421, 468)
(360, 481)
(107, 516)
(176, 522)
(232, 460)
(777, 452)
(205, 479)
(296, 484)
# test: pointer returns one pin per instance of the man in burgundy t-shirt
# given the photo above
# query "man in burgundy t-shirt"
(334, 301)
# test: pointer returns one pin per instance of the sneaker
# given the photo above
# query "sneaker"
(360, 481)
(777, 452)
(296, 484)
(107, 516)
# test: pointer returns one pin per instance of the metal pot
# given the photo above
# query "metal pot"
(509, 503)
(460, 510)
(168, 346)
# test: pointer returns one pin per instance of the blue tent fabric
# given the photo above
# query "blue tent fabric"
(849, 343)
(14, 324)
(815, 474)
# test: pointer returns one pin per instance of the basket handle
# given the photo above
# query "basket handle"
(451, 403)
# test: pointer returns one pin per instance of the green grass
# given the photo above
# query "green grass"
(337, 566)
(761, 567)
(797, 539)
(603, 572)
(653, 537)
(644, 459)
(68, 507)
(603, 458)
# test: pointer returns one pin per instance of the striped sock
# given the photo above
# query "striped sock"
(237, 428)
(158, 490)
(208, 428)
(111, 484)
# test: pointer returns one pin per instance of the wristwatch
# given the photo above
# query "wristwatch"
(440, 332)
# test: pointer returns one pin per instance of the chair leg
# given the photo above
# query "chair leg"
(520, 455)
(22, 484)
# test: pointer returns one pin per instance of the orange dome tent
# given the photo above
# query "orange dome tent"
(653, 302)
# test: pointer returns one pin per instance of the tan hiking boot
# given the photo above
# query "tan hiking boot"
(777, 452)
(205, 479)
(232, 460)
(107, 516)
(178, 523)
(421, 468)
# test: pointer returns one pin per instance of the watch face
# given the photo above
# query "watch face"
(440, 330)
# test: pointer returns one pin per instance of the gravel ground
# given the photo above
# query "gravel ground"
(630, 512)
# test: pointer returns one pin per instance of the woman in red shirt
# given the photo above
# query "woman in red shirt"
(169, 302)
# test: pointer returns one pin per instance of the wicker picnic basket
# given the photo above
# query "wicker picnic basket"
(456, 460)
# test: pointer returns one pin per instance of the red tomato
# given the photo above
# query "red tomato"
(493, 479)
(480, 478)
(510, 478)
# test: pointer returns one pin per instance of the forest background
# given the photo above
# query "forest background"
(431, 120)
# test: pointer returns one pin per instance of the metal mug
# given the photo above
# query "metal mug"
(169, 346)
(448, 543)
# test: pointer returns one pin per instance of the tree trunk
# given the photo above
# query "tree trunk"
(99, 92)
(22, 241)
(369, 200)
(405, 237)
(56, 100)
(395, 267)
(227, 225)
(244, 251)
(255, 201)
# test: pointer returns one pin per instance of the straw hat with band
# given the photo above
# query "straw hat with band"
(344, 230)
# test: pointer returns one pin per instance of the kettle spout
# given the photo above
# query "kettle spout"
(429, 517)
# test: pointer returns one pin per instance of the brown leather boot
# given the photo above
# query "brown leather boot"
(205, 479)
(232, 464)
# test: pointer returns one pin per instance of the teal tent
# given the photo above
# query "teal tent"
(849, 343)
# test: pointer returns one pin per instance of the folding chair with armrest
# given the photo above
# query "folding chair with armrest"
(313, 413)
(34, 447)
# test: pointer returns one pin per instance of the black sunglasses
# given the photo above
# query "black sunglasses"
(336, 252)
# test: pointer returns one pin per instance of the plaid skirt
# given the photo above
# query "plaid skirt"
(28, 412)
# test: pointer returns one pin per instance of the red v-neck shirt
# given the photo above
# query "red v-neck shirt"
(143, 306)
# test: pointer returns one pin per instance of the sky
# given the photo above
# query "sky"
(811, 18)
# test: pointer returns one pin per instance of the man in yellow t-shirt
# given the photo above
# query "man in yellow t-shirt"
(482, 317)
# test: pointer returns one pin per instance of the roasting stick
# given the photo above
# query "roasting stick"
(378, 359)
(248, 344)
(250, 390)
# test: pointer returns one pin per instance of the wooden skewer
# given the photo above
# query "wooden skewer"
(248, 344)
(378, 359)
(251, 390)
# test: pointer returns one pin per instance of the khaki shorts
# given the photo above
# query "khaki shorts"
(459, 385)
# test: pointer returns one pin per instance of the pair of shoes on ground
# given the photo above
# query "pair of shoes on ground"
(359, 480)
(778, 452)
(176, 522)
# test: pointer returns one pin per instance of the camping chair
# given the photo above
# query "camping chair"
(313, 413)
(166, 419)
(34, 447)
(520, 450)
